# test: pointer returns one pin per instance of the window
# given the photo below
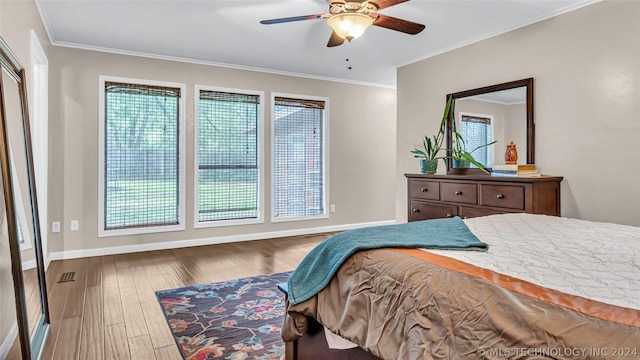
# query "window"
(477, 131)
(141, 156)
(299, 160)
(228, 157)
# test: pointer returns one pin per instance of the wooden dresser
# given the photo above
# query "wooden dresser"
(439, 196)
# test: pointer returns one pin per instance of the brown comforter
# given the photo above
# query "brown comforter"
(398, 304)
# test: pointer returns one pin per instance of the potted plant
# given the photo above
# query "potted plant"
(460, 156)
(428, 152)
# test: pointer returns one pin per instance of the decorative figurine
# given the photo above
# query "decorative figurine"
(511, 155)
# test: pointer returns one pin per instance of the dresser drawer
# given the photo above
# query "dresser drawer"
(419, 210)
(505, 196)
(459, 192)
(423, 189)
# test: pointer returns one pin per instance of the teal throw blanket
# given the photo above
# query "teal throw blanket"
(318, 267)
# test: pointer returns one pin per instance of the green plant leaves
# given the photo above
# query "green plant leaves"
(432, 145)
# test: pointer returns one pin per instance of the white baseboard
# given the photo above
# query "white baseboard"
(8, 341)
(75, 254)
(29, 264)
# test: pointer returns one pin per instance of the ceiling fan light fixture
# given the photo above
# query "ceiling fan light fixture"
(350, 25)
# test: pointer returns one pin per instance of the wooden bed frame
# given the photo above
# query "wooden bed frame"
(313, 346)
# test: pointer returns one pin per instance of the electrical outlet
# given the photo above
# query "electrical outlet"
(75, 225)
(55, 226)
(333, 208)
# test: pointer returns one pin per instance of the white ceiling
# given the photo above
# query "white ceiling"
(228, 32)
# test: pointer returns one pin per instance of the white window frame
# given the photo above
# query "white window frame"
(181, 156)
(196, 144)
(325, 160)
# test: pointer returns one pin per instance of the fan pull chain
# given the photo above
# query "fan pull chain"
(346, 59)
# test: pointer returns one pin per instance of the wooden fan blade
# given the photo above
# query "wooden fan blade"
(293, 18)
(335, 40)
(381, 4)
(396, 24)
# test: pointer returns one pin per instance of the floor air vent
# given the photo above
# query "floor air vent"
(68, 276)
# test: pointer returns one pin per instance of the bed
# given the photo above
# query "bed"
(548, 287)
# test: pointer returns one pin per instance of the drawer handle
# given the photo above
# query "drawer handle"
(424, 189)
(415, 210)
(500, 196)
(458, 193)
(449, 215)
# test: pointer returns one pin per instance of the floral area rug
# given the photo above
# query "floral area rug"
(236, 319)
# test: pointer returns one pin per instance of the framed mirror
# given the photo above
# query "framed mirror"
(501, 113)
(23, 228)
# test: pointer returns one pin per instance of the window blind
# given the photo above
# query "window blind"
(299, 182)
(477, 131)
(141, 155)
(228, 178)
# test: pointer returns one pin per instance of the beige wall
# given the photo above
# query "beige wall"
(361, 150)
(586, 80)
(586, 66)
(361, 135)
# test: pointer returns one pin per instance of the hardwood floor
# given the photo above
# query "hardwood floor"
(110, 311)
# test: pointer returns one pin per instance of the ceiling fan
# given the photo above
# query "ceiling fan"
(350, 18)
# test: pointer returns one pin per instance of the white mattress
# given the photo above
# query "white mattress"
(599, 261)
